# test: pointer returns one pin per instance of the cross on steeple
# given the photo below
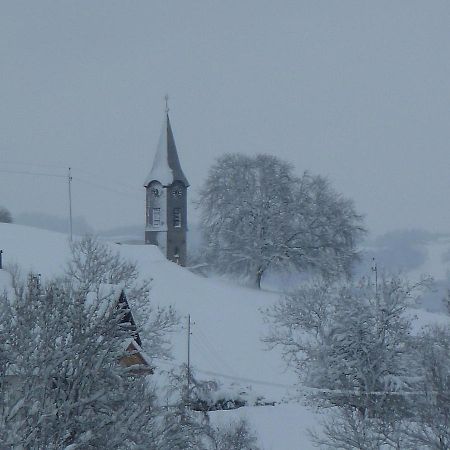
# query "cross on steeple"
(166, 98)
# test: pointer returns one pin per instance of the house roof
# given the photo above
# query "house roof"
(113, 297)
(128, 317)
(166, 165)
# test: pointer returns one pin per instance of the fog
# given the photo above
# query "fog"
(357, 91)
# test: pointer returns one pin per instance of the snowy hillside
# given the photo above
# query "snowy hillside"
(227, 323)
(226, 333)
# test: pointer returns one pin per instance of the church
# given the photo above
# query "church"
(166, 199)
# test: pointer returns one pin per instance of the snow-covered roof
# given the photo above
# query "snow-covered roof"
(108, 297)
(105, 295)
(166, 165)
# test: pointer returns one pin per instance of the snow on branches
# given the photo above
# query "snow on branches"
(257, 215)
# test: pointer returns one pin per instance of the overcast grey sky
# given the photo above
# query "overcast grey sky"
(355, 90)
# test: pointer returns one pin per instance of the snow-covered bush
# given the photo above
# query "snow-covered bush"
(234, 436)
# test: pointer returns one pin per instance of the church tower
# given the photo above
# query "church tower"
(166, 199)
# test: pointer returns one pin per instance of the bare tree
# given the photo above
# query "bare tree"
(5, 215)
(257, 215)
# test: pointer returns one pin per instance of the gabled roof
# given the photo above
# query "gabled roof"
(128, 317)
(166, 165)
(113, 296)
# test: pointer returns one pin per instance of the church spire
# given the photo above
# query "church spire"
(166, 166)
(166, 198)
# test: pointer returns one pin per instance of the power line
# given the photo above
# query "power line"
(103, 187)
(20, 163)
(54, 175)
(120, 183)
(207, 342)
(83, 180)
(205, 354)
(25, 172)
(57, 166)
(316, 390)
(246, 380)
(231, 377)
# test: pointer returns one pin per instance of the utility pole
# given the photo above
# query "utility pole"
(375, 269)
(189, 361)
(69, 179)
(1, 264)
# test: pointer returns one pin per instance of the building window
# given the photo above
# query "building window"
(156, 217)
(177, 217)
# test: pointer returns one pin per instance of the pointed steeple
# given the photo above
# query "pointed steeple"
(166, 205)
(166, 165)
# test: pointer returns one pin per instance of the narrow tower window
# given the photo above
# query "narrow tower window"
(156, 217)
(177, 217)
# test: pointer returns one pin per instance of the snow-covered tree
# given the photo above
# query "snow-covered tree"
(347, 429)
(350, 337)
(5, 215)
(63, 386)
(257, 215)
(351, 346)
(94, 264)
(429, 426)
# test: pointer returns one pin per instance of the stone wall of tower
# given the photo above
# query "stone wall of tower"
(156, 234)
(177, 223)
(170, 233)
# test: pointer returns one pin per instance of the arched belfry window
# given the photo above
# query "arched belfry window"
(177, 217)
(156, 217)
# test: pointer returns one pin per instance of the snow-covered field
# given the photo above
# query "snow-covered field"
(226, 331)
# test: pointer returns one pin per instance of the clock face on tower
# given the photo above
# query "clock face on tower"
(155, 192)
(177, 193)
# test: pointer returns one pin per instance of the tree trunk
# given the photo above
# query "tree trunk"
(259, 275)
